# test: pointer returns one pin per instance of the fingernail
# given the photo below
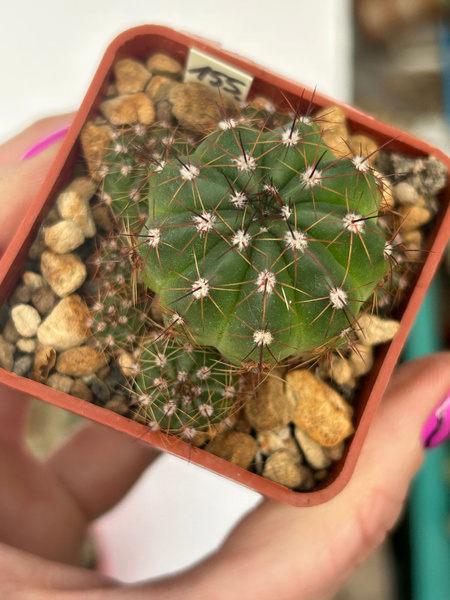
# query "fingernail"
(46, 142)
(437, 428)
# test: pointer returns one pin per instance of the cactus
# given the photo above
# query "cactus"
(264, 242)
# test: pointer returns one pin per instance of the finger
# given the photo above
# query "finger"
(13, 150)
(14, 407)
(98, 466)
(305, 553)
(19, 184)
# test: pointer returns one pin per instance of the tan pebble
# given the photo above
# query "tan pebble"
(27, 345)
(26, 319)
(32, 280)
(364, 146)
(95, 141)
(412, 245)
(193, 105)
(43, 299)
(164, 113)
(80, 361)
(281, 467)
(128, 109)
(268, 407)
(118, 404)
(22, 365)
(131, 76)
(269, 442)
(321, 411)
(67, 325)
(412, 217)
(64, 237)
(84, 186)
(21, 295)
(80, 390)
(373, 330)
(74, 206)
(159, 88)
(240, 422)
(404, 193)
(335, 140)
(336, 368)
(44, 361)
(360, 359)
(59, 382)
(163, 64)
(127, 363)
(314, 453)
(238, 448)
(329, 115)
(6, 354)
(336, 452)
(263, 103)
(111, 90)
(10, 333)
(64, 273)
(102, 218)
(415, 237)
(103, 372)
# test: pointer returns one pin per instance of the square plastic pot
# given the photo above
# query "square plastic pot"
(140, 42)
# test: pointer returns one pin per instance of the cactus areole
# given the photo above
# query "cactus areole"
(262, 242)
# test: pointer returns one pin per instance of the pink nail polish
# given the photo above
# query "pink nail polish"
(46, 142)
(437, 428)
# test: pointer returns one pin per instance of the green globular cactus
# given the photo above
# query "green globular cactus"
(262, 241)
(183, 389)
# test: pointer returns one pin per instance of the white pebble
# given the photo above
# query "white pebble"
(26, 320)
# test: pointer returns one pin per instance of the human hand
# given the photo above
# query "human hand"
(277, 551)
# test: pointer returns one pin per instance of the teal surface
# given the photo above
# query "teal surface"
(430, 496)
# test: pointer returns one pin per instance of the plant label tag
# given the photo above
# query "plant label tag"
(226, 81)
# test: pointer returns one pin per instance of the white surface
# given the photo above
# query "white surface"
(49, 51)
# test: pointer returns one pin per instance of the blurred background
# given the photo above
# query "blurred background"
(389, 57)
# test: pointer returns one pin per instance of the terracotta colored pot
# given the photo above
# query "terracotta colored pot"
(141, 42)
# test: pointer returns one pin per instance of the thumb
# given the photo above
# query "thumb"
(289, 553)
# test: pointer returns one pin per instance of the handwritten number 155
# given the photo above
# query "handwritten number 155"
(219, 80)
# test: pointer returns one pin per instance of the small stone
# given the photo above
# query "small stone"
(101, 391)
(412, 244)
(65, 273)
(336, 368)
(118, 404)
(321, 411)
(373, 330)
(261, 103)
(336, 143)
(427, 175)
(314, 453)
(74, 206)
(64, 237)
(44, 361)
(23, 365)
(281, 467)
(269, 442)
(360, 359)
(364, 146)
(404, 193)
(127, 363)
(84, 186)
(67, 325)
(413, 217)
(131, 76)
(10, 333)
(336, 452)
(84, 360)
(32, 280)
(269, 407)
(332, 121)
(159, 88)
(164, 114)
(95, 141)
(59, 382)
(194, 106)
(128, 109)
(21, 295)
(80, 390)
(26, 319)
(102, 218)
(238, 448)
(385, 187)
(27, 345)
(43, 299)
(6, 354)
(163, 64)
